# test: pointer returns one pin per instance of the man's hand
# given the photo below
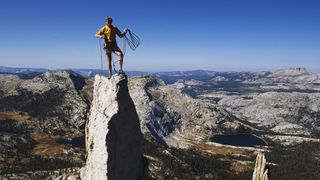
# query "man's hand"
(99, 36)
(126, 30)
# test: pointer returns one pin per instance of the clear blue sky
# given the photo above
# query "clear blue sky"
(175, 34)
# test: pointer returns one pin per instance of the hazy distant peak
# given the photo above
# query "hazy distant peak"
(293, 71)
(63, 73)
(295, 75)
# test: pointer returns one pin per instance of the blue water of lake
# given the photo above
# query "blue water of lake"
(75, 142)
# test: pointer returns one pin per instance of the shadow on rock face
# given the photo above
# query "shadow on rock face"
(124, 139)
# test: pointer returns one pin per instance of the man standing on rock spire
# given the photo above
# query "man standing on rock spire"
(109, 32)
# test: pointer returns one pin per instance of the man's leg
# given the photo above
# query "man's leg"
(120, 57)
(109, 58)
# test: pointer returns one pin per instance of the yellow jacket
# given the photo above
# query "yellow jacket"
(110, 33)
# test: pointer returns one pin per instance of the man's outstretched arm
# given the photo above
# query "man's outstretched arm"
(120, 34)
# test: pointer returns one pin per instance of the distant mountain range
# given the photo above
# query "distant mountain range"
(291, 74)
(4, 69)
(169, 76)
(82, 72)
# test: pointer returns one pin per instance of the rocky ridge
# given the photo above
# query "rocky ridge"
(52, 100)
(36, 114)
(290, 113)
(176, 119)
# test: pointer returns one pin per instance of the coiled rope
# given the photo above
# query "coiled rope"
(133, 40)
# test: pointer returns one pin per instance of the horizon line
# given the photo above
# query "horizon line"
(224, 69)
